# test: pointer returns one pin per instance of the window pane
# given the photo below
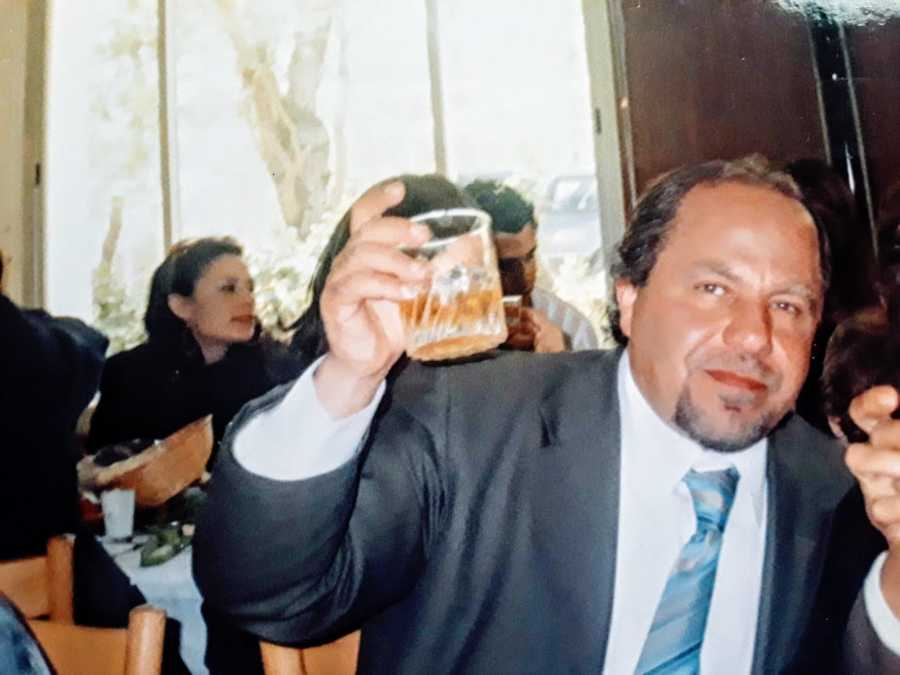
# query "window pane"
(517, 102)
(102, 148)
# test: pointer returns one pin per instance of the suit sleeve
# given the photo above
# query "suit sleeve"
(864, 652)
(305, 561)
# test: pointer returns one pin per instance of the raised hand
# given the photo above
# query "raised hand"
(876, 465)
(359, 302)
(548, 337)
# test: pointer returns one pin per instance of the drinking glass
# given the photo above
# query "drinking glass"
(461, 312)
(118, 513)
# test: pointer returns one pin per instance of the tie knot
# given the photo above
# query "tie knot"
(713, 495)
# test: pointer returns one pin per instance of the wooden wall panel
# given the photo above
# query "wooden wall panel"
(875, 57)
(717, 78)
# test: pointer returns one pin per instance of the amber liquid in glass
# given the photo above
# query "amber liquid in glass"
(448, 322)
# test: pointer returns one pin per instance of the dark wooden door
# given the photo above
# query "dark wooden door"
(874, 51)
(715, 79)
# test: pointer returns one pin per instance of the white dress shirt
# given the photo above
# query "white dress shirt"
(298, 439)
(656, 518)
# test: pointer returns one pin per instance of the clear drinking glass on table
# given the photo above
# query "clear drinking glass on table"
(461, 312)
(118, 514)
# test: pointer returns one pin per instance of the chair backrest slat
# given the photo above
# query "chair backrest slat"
(24, 582)
(43, 585)
(335, 658)
(76, 650)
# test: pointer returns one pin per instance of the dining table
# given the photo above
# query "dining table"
(169, 586)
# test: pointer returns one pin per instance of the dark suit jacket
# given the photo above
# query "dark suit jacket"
(476, 531)
(49, 368)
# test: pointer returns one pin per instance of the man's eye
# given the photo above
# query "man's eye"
(789, 307)
(713, 289)
(229, 288)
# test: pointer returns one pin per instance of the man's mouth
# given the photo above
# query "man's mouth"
(244, 319)
(737, 380)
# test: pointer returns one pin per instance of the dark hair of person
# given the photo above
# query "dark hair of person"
(655, 212)
(510, 212)
(185, 263)
(423, 193)
(860, 354)
(832, 205)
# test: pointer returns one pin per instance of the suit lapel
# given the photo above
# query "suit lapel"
(804, 485)
(581, 432)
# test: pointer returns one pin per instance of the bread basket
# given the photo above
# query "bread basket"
(164, 469)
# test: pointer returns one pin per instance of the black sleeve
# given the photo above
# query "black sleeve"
(111, 418)
(306, 561)
(50, 368)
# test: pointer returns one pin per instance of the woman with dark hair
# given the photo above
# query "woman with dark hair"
(204, 354)
(423, 193)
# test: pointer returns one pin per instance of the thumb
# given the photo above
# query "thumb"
(872, 406)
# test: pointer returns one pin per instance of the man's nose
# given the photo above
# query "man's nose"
(750, 328)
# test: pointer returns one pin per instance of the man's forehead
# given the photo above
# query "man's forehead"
(515, 245)
(754, 220)
(741, 194)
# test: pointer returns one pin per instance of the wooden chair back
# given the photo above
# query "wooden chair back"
(43, 585)
(76, 650)
(335, 658)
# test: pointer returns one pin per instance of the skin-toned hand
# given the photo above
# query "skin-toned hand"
(876, 465)
(521, 337)
(359, 301)
(548, 337)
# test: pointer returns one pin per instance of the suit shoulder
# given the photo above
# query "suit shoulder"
(505, 376)
(534, 374)
(820, 457)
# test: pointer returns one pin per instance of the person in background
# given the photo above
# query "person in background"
(204, 353)
(547, 323)
(862, 353)
(50, 370)
(655, 508)
(829, 200)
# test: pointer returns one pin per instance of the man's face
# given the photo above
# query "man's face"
(720, 336)
(518, 267)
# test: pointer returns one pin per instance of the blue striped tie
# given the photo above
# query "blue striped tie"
(673, 644)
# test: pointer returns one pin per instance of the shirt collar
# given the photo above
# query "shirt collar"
(662, 455)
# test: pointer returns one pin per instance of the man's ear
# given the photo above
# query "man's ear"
(626, 294)
(181, 306)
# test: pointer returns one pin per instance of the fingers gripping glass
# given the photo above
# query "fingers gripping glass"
(461, 311)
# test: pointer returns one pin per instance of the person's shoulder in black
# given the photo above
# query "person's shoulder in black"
(50, 368)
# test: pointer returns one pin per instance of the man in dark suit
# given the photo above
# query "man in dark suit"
(653, 509)
(50, 370)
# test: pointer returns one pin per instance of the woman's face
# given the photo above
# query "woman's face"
(221, 310)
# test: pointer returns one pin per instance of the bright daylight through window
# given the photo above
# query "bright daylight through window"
(273, 115)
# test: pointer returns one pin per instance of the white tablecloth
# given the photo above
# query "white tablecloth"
(170, 587)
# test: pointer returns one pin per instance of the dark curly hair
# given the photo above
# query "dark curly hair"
(655, 212)
(178, 273)
(509, 210)
(423, 193)
(861, 354)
